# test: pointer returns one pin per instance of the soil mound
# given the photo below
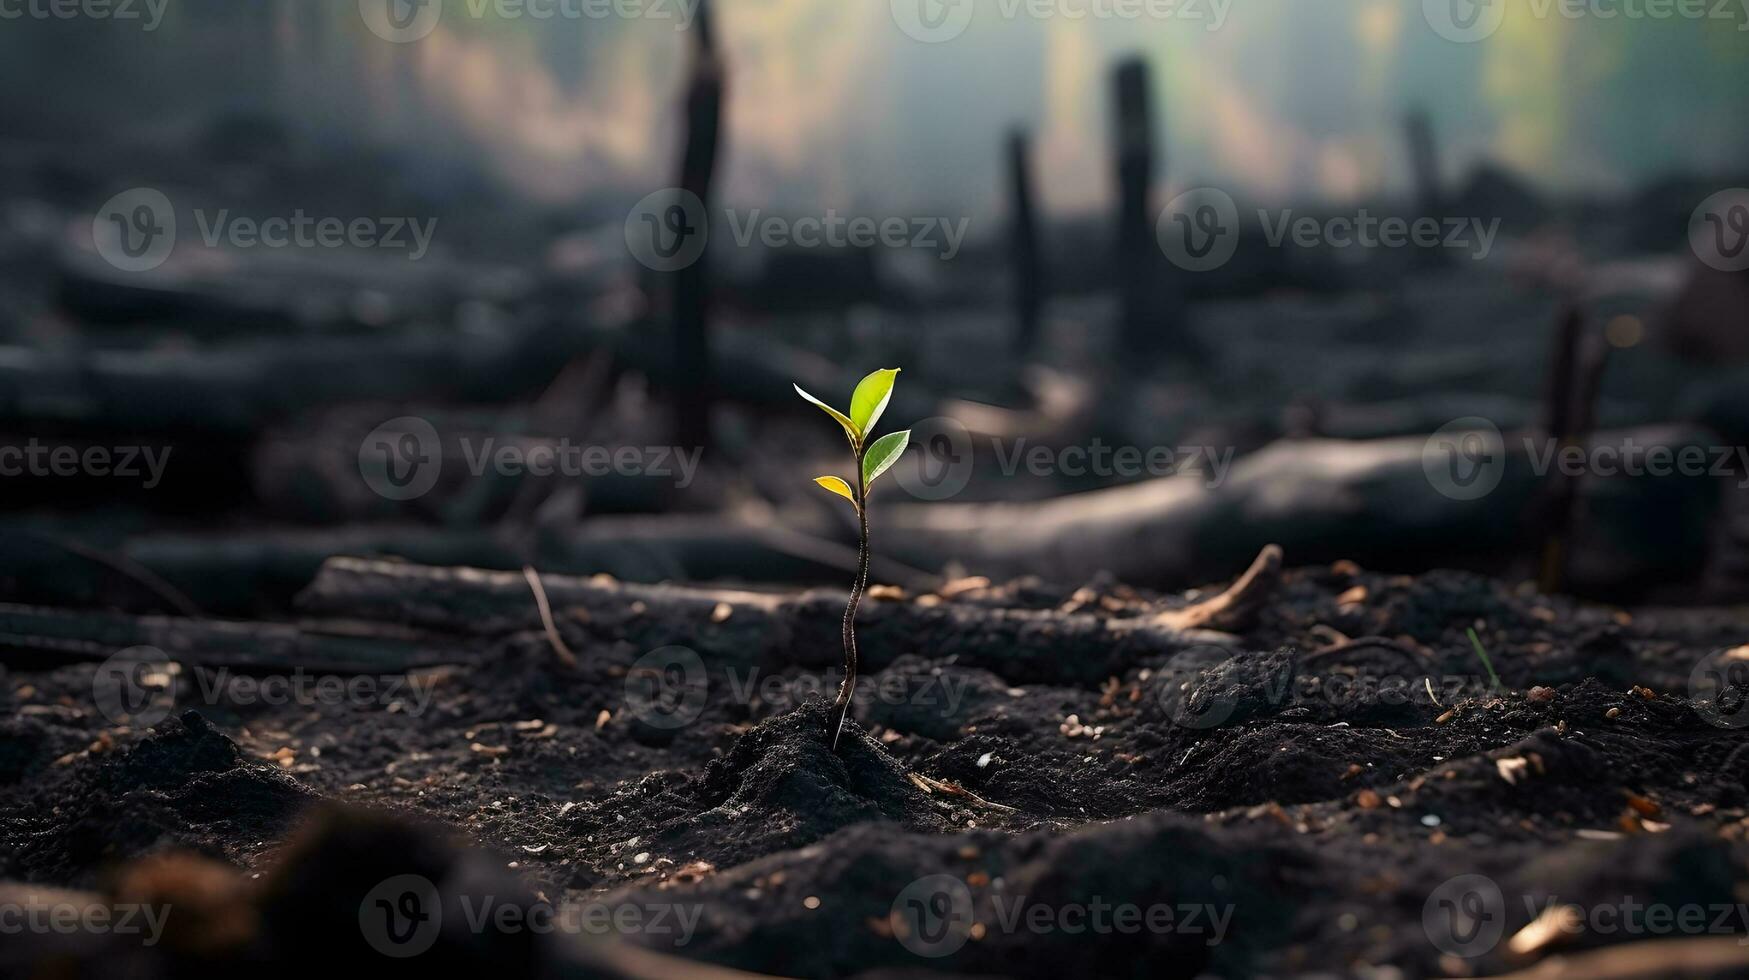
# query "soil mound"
(186, 785)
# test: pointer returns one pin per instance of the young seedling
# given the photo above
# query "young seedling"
(872, 459)
(1476, 642)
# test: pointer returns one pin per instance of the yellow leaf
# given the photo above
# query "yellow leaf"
(837, 486)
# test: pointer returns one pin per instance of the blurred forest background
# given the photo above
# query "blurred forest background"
(833, 106)
(1591, 140)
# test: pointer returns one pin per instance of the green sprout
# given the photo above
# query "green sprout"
(1476, 642)
(872, 459)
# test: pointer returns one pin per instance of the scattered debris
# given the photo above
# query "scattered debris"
(562, 651)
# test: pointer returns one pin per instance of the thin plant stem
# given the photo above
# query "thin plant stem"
(842, 708)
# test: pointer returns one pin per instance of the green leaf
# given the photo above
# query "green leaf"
(871, 398)
(883, 454)
(850, 428)
(837, 486)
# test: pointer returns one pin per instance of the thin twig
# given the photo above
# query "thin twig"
(546, 617)
(1233, 610)
(1372, 642)
(929, 785)
(128, 568)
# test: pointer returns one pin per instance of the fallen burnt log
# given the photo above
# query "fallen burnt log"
(258, 572)
(239, 570)
(1373, 502)
(757, 629)
(338, 648)
(1321, 501)
(241, 388)
(228, 292)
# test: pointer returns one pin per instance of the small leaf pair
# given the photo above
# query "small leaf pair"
(867, 404)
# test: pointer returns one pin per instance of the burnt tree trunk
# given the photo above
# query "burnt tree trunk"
(1574, 374)
(1151, 305)
(1023, 245)
(693, 381)
(1424, 162)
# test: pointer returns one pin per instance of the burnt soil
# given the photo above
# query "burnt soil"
(1320, 797)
